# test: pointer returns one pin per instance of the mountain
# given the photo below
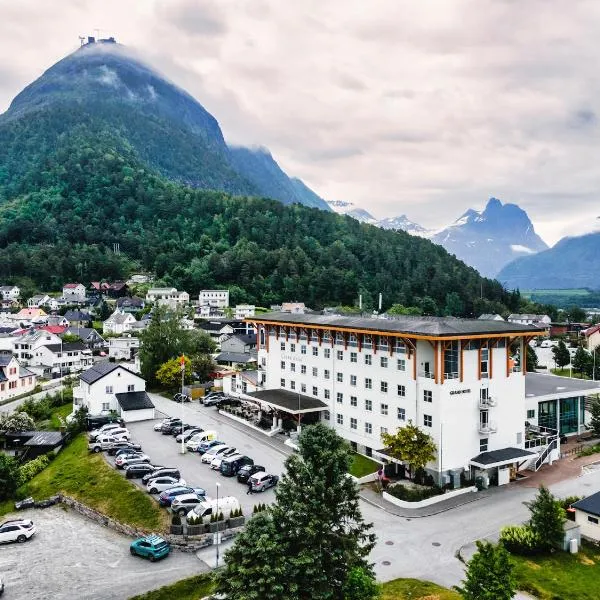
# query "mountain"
(105, 85)
(348, 208)
(404, 224)
(571, 263)
(490, 239)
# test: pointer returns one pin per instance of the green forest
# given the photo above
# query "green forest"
(65, 202)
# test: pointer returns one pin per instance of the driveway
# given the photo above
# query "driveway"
(71, 557)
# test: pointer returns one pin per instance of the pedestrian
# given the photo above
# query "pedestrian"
(250, 490)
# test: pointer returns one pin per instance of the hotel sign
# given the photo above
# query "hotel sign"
(454, 392)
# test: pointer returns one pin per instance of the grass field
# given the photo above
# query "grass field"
(363, 465)
(561, 576)
(54, 422)
(89, 479)
(194, 588)
(559, 292)
(568, 373)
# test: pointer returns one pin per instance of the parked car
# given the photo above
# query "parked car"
(215, 463)
(213, 399)
(210, 396)
(112, 450)
(16, 530)
(247, 471)
(119, 433)
(227, 401)
(158, 426)
(188, 435)
(138, 470)
(166, 498)
(199, 438)
(125, 451)
(93, 422)
(202, 447)
(167, 428)
(208, 456)
(102, 442)
(105, 429)
(162, 472)
(179, 397)
(185, 502)
(130, 459)
(226, 504)
(231, 465)
(263, 481)
(152, 547)
(182, 428)
(160, 484)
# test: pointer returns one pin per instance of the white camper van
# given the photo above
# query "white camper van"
(224, 505)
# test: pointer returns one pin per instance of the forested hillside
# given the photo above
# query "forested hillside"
(74, 199)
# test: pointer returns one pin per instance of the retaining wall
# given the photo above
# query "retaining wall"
(428, 501)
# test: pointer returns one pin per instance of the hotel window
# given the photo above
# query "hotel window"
(326, 394)
(292, 347)
(353, 401)
(484, 361)
(340, 355)
(353, 357)
(451, 359)
(368, 405)
(340, 377)
(292, 385)
(315, 391)
(340, 419)
(428, 396)
(315, 351)
(353, 423)
(401, 390)
(400, 347)
(315, 372)
(352, 341)
(368, 428)
(326, 415)
(401, 414)
(340, 398)
(483, 445)
(368, 383)
(283, 365)
(384, 409)
(531, 414)
(339, 339)
(327, 353)
(282, 383)
(383, 386)
(303, 369)
(401, 364)
(292, 367)
(383, 361)
(367, 342)
(326, 373)
(282, 346)
(427, 421)
(352, 379)
(368, 359)
(303, 349)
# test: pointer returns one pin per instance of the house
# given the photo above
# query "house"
(78, 318)
(29, 315)
(90, 337)
(57, 321)
(118, 323)
(10, 292)
(123, 348)
(293, 307)
(110, 387)
(542, 321)
(217, 330)
(74, 292)
(592, 337)
(56, 360)
(241, 382)
(138, 278)
(130, 305)
(168, 297)
(31, 444)
(587, 516)
(206, 311)
(236, 359)
(490, 317)
(462, 381)
(244, 343)
(118, 289)
(29, 342)
(243, 311)
(15, 379)
(218, 298)
(38, 301)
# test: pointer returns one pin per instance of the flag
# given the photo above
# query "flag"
(182, 362)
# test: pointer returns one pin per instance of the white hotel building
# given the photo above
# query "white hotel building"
(462, 381)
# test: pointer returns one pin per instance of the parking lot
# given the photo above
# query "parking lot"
(71, 557)
(164, 450)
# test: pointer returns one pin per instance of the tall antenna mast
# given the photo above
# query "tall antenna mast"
(81, 40)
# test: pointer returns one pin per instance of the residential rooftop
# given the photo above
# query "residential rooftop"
(538, 385)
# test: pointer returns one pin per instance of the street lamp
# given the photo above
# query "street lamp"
(182, 385)
(217, 544)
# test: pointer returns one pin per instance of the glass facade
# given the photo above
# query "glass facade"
(568, 414)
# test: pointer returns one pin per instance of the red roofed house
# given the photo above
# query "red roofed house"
(74, 292)
(592, 337)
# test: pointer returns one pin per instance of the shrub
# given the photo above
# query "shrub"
(566, 504)
(176, 520)
(194, 519)
(520, 540)
(29, 470)
(413, 494)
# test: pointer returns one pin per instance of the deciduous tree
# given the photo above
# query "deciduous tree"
(17, 421)
(9, 476)
(169, 373)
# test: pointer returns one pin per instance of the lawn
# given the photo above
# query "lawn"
(363, 465)
(568, 373)
(89, 478)
(194, 588)
(54, 422)
(561, 576)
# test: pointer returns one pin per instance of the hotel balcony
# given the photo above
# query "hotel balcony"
(486, 428)
(485, 403)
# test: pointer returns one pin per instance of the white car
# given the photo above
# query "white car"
(215, 451)
(215, 463)
(16, 530)
(105, 429)
(160, 484)
(124, 460)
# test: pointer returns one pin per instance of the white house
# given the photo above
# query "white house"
(592, 337)
(461, 381)
(168, 297)
(74, 292)
(293, 307)
(26, 347)
(529, 319)
(14, 378)
(217, 331)
(110, 387)
(490, 317)
(10, 292)
(218, 298)
(38, 301)
(123, 348)
(243, 311)
(236, 383)
(118, 323)
(587, 516)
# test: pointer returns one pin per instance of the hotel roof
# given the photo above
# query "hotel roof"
(405, 324)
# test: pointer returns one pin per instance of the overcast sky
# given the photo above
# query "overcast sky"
(425, 108)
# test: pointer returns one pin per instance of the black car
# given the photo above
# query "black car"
(227, 401)
(162, 472)
(95, 422)
(247, 471)
(123, 446)
(186, 427)
(168, 428)
(139, 470)
(179, 397)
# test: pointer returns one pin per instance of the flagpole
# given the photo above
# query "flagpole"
(182, 383)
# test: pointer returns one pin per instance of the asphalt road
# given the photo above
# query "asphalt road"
(71, 558)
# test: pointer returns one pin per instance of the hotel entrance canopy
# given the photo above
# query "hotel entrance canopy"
(288, 401)
(499, 458)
